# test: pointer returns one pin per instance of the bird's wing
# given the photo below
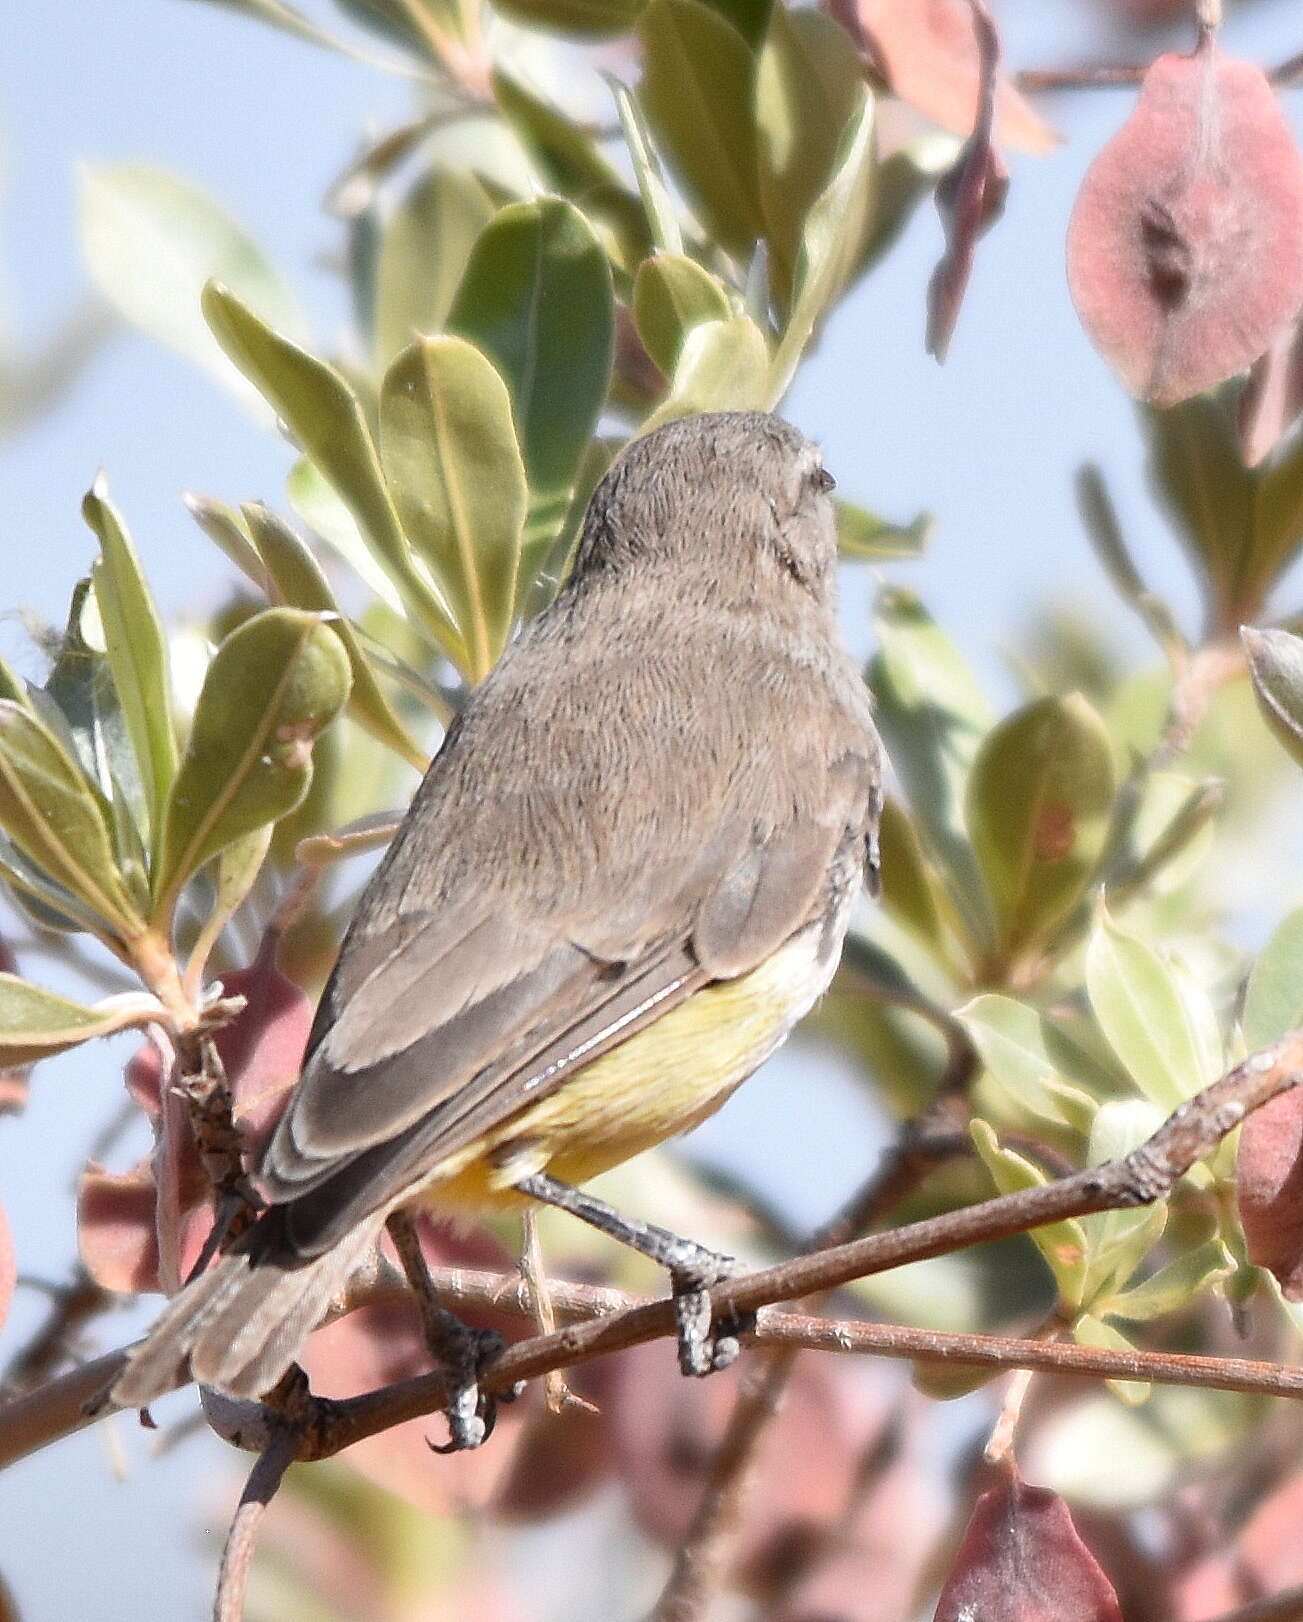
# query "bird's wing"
(461, 1019)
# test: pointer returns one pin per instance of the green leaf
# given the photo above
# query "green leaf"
(272, 686)
(136, 647)
(864, 536)
(900, 183)
(1089, 1331)
(932, 716)
(1175, 1286)
(809, 84)
(909, 886)
(1105, 531)
(1140, 1010)
(536, 299)
(299, 582)
(225, 528)
(697, 89)
(424, 249)
(657, 203)
(1273, 1003)
(567, 159)
(35, 1023)
(1239, 524)
(1037, 808)
(1011, 1041)
(152, 240)
(830, 242)
(723, 366)
(586, 19)
(451, 459)
(284, 17)
(1276, 666)
(672, 294)
(334, 525)
(1061, 1243)
(326, 418)
(1118, 1241)
(51, 813)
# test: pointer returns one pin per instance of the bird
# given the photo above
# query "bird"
(626, 875)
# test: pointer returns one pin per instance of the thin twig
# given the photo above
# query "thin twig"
(237, 1555)
(1146, 1174)
(55, 1342)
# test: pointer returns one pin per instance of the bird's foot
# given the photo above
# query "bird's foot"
(706, 1343)
(463, 1354)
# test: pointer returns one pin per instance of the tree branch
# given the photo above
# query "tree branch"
(1146, 1174)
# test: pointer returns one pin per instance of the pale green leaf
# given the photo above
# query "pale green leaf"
(830, 242)
(450, 455)
(298, 581)
(697, 93)
(53, 816)
(274, 683)
(1273, 1003)
(536, 299)
(1140, 1011)
(152, 240)
(1061, 1243)
(1276, 666)
(1009, 1036)
(1037, 807)
(35, 1023)
(723, 366)
(326, 418)
(1089, 1331)
(1174, 1286)
(425, 245)
(672, 294)
(136, 646)
(809, 84)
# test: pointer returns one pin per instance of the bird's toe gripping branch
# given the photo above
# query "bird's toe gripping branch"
(462, 1353)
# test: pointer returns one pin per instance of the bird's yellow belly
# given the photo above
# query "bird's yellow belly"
(662, 1081)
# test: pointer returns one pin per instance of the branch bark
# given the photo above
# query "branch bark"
(1147, 1174)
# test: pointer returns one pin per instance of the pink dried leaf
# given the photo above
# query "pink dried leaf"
(926, 51)
(1273, 398)
(1185, 248)
(1021, 1560)
(117, 1234)
(1269, 1189)
(970, 197)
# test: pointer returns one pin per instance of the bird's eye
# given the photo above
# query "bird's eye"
(823, 480)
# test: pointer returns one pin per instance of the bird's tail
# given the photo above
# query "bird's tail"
(241, 1324)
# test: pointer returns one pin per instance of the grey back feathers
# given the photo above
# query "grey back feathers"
(670, 772)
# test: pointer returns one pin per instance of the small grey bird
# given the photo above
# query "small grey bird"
(626, 875)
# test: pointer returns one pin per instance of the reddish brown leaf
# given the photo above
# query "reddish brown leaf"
(1185, 249)
(926, 51)
(1273, 398)
(117, 1231)
(1021, 1560)
(1269, 1187)
(970, 196)
(8, 1266)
